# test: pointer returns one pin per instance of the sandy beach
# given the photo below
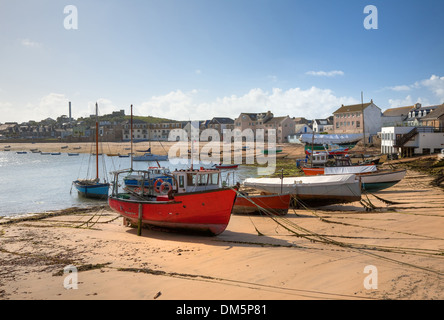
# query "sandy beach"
(292, 151)
(325, 253)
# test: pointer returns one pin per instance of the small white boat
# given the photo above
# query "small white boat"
(381, 179)
(312, 190)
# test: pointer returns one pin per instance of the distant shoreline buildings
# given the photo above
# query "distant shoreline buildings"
(393, 127)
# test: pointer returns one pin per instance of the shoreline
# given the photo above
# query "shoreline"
(321, 256)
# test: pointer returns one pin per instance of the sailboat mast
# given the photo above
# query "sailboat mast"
(363, 123)
(131, 134)
(97, 143)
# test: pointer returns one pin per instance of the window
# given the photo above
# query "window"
(181, 182)
(358, 124)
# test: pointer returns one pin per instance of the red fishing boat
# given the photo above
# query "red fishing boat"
(226, 166)
(195, 202)
(274, 204)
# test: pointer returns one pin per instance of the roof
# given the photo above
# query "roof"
(256, 116)
(435, 114)
(396, 112)
(353, 108)
(418, 112)
(7, 126)
(323, 122)
(276, 119)
(222, 120)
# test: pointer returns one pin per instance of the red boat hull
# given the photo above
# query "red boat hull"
(204, 212)
(275, 204)
(313, 171)
(317, 171)
(227, 166)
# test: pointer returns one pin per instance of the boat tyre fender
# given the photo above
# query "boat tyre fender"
(158, 188)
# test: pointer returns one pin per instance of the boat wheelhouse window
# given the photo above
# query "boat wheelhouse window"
(191, 179)
(202, 179)
(181, 182)
(214, 179)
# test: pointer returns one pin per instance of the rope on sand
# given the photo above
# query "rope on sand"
(301, 232)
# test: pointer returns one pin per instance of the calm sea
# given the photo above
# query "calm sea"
(34, 183)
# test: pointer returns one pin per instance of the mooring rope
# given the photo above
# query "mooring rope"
(314, 237)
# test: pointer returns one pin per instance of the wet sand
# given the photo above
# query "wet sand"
(292, 151)
(308, 254)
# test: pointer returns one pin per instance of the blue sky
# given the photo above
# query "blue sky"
(196, 59)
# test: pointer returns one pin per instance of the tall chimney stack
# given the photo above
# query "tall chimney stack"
(70, 111)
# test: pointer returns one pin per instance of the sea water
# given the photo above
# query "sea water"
(35, 183)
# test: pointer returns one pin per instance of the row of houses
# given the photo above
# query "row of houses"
(393, 126)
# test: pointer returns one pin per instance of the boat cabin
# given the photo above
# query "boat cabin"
(197, 180)
(318, 159)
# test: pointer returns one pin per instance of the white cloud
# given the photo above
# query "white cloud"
(432, 88)
(52, 105)
(325, 73)
(407, 101)
(310, 103)
(436, 85)
(29, 43)
(400, 88)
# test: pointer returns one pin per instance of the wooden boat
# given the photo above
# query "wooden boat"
(381, 179)
(72, 154)
(226, 166)
(55, 153)
(372, 179)
(21, 152)
(271, 203)
(334, 152)
(312, 191)
(148, 156)
(342, 165)
(315, 171)
(196, 202)
(265, 151)
(93, 188)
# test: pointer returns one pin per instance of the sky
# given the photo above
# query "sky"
(199, 59)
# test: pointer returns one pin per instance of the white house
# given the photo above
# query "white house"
(302, 128)
(409, 141)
